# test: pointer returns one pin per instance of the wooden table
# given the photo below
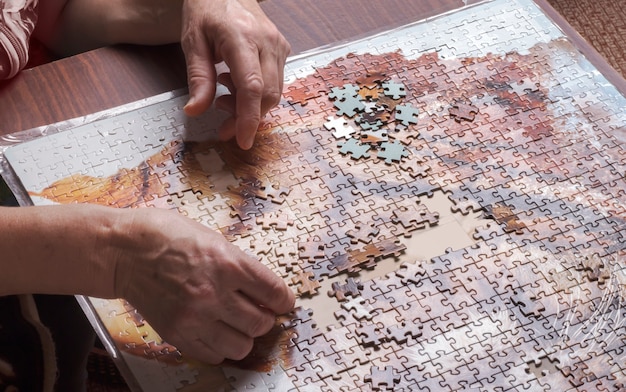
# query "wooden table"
(109, 77)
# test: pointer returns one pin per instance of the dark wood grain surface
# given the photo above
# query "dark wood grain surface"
(88, 83)
(109, 77)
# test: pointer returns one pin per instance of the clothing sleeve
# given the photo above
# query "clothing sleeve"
(17, 22)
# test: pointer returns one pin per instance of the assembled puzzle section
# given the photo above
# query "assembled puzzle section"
(491, 108)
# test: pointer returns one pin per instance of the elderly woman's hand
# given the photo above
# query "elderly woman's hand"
(238, 33)
(199, 292)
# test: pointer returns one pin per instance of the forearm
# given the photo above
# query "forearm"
(81, 25)
(59, 250)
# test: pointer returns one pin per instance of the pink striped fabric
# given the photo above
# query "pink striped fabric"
(17, 22)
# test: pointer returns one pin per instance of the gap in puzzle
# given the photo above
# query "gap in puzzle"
(447, 200)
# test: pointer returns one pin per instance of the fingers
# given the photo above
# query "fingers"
(208, 297)
(227, 103)
(249, 86)
(254, 51)
(242, 314)
(245, 123)
(251, 297)
(273, 66)
(201, 75)
(219, 342)
(267, 289)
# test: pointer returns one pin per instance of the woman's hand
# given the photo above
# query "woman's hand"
(199, 292)
(238, 33)
(234, 32)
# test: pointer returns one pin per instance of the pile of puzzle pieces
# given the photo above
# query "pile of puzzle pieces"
(537, 302)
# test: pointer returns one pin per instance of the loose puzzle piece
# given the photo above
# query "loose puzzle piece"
(383, 378)
(307, 284)
(339, 127)
(355, 149)
(392, 152)
(351, 288)
(462, 111)
(406, 114)
(446, 199)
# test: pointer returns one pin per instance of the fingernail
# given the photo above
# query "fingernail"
(249, 143)
(189, 103)
(251, 140)
(245, 142)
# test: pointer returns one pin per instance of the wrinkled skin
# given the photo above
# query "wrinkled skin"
(238, 33)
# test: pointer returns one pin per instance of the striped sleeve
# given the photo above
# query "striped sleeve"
(17, 22)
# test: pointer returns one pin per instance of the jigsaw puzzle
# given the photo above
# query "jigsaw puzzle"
(446, 199)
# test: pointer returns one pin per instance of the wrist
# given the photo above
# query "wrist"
(135, 243)
(147, 22)
(58, 250)
(72, 26)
